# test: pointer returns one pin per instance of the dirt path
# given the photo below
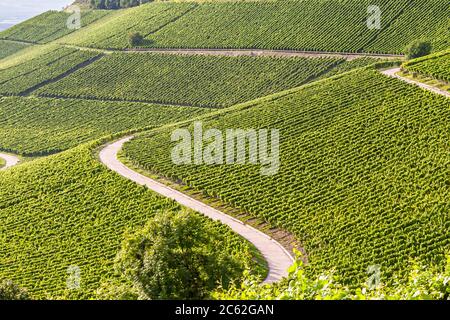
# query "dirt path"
(271, 53)
(278, 259)
(10, 160)
(393, 74)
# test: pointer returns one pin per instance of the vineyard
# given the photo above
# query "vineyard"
(25, 76)
(363, 178)
(204, 81)
(436, 66)
(40, 126)
(69, 210)
(313, 25)
(48, 26)
(7, 48)
(112, 31)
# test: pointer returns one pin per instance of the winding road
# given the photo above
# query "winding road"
(393, 74)
(277, 257)
(10, 160)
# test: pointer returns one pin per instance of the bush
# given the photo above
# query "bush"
(10, 291)
(418, 49)
(177, 256)
(135, 39)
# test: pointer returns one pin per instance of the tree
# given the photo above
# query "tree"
(98, 4)
(10, 291)
(112, 4)
(178, 256)
(128, 3)
(135, 39)
(418, 49)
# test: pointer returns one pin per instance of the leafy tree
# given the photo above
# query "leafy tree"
(112, 4)
(98, 4)
(128, 3)
(135, 39)
(418, 49)
(10, 291)
(178, 256)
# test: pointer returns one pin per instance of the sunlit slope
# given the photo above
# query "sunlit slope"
(113, 31)
(436, 66)
(8, 48)
(204, 81)
(364, 176)
(39, 126)
(69, 211)
(49, 26)
(318, 25)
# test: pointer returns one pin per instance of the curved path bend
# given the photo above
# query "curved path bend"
(278, 258)
(10, 160)
(393, 74)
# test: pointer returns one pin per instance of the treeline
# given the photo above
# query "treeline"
(116, 4)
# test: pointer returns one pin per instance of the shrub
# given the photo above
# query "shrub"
(418, 49)
(178, 256)
(10, 291)
(135, 39)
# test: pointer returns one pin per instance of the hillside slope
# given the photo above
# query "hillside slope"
(363, 178)
(313, 25)
(69, 211)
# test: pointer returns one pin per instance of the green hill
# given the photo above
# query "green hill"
(203, 81)
(318, 25)
(8, 48)
(69, 210)
(363, 177)
(436, 66)
(48, 26)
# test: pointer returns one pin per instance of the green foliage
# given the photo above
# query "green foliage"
(47, 66)
(422, 284)
(2, 162)
(7, 48)
(324, 25)
(41, 126)
(69, 210)
(48, 26)
(436, 66)
(112, 31)
(418, 49)
(10, 291)
(207, 81)
(363, 177)
(135, 39)
(178, 256)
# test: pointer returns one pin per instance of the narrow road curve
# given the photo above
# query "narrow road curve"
(10, 160)
(393, 74)
(278, 258)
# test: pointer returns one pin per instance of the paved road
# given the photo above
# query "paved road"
(276, 256)
(10, 160)
(261, 52)
(393, 74)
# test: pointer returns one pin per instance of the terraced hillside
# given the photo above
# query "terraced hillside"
(29, 75)
(69, 210)
(436, 66)
(39, 126)
(204, 81)
(363, 177)
(313, 25)
(49, 26)
(7, 48)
